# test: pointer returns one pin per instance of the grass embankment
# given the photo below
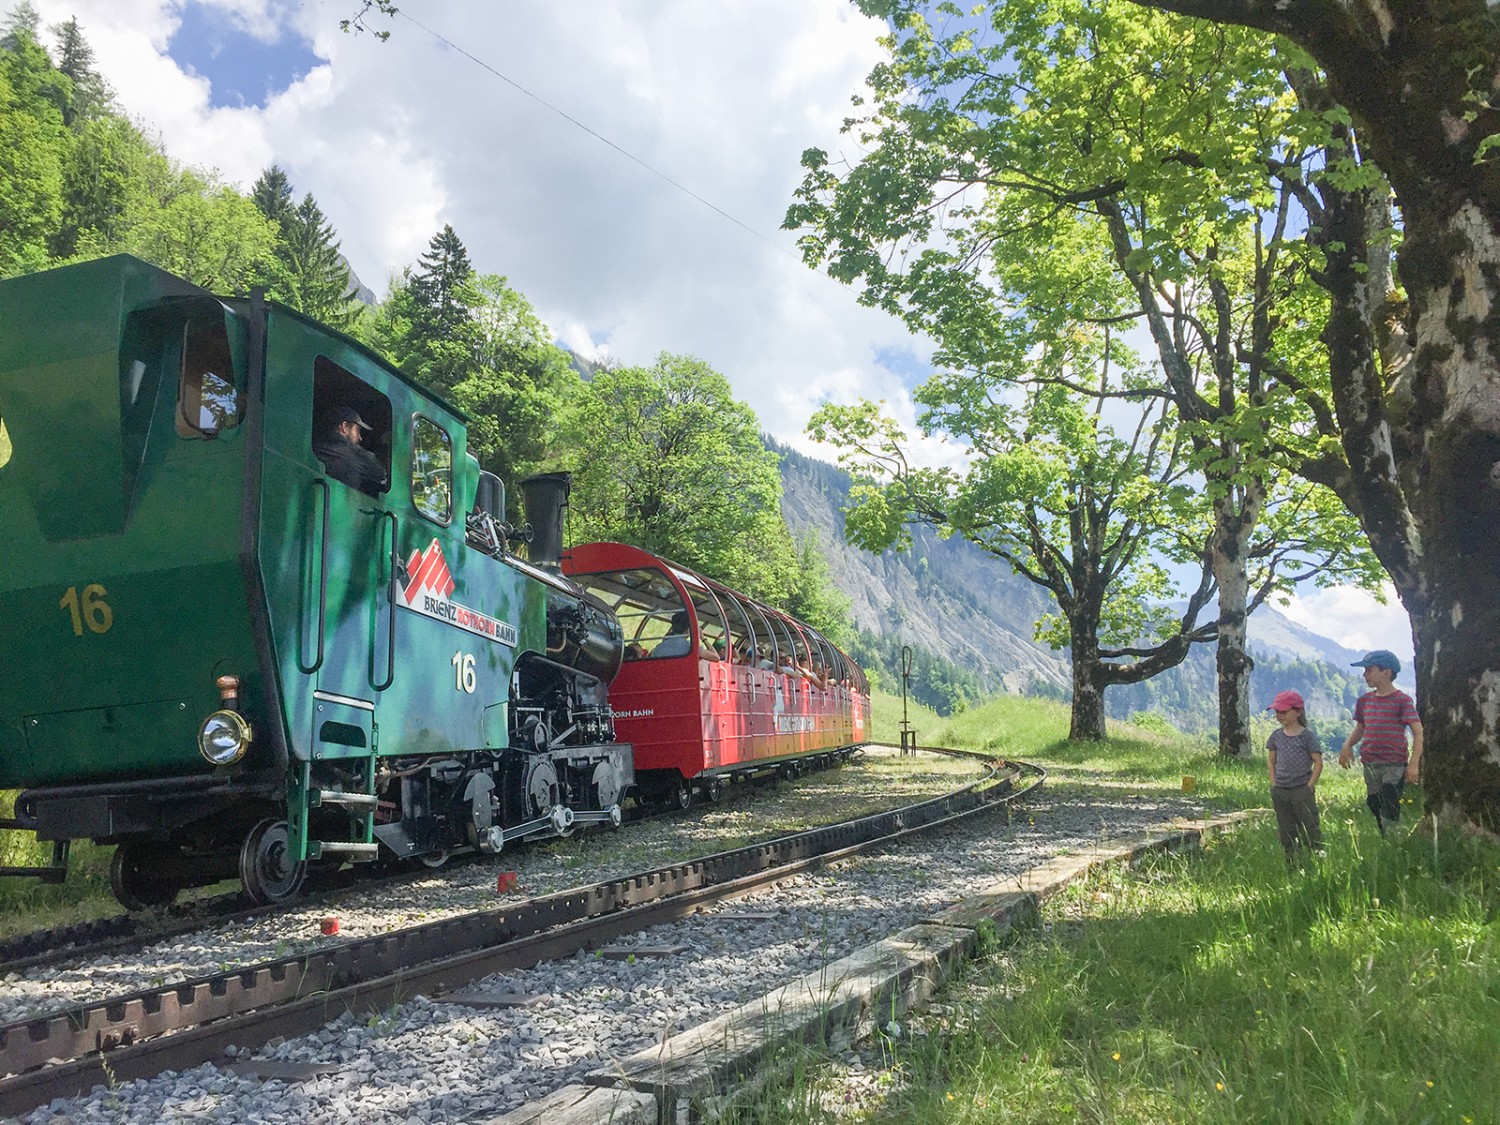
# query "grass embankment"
(1362, 986)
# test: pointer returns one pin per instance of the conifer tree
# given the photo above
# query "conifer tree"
(323, 287)
(21, 23)
(272, 193)
(438, 286)
(75, 58)
(309, 273)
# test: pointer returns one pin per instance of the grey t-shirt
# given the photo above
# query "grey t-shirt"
(1294, 753)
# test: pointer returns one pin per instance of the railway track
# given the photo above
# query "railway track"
(118, 933)
(187, 1023)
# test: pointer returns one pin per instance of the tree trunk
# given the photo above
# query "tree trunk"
(1426, 485)
(1458, 697)
(1233, 664)
(1454, 492)
(1087, 723)
(1233, 526)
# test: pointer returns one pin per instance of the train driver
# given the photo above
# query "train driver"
(344, 456)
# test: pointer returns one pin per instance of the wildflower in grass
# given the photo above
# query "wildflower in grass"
(1116, 1056)
(1219, 1086)
(1429, 1083)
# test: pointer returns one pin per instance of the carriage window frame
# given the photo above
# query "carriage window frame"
(192, 378)
(745, 640)
(430, 514)
(762, 658)
(644, 600)
(711, 620)
(786, 646)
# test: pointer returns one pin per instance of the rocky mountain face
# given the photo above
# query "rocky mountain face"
(950, 598)
(943, 595)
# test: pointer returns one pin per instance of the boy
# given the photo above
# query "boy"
(1380, 719)
(1294, 762)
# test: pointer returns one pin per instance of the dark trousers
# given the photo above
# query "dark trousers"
(1296, 818)
(1384, 784)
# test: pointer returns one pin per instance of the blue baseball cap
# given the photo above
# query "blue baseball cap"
(1380, 658)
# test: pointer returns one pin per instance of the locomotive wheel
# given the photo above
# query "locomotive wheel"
(713, 790)
(435, 859)
(267, 870)
(131, 880)
(680, 797)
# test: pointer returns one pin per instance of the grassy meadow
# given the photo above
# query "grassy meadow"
(1363, 986)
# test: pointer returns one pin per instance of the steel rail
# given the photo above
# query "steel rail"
(190, 1023)
(78, 940)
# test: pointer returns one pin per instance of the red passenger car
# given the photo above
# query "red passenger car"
(714, 683)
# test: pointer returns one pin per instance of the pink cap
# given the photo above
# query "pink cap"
(1286, 701)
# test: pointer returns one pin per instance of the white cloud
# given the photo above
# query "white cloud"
(396, 138)
(1354, 619)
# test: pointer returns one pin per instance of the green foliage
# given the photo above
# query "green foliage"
(665, 458)
(90, 95)
(935, 681)
(33, 140)
(1029, 166)
(814, 598)
(308, 273)
(1054, 491)
(78, 180)
(477, 341)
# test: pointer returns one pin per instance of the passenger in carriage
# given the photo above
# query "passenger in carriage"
(679, 639)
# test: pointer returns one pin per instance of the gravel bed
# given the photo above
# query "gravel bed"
(435, 1062)
(748, 813)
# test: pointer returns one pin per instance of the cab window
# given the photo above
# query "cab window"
(431, 470)
(208, 403)
(351, 428)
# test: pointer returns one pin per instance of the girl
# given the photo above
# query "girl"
(1295, 762)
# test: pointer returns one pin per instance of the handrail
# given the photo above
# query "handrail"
(308, 669)
(390, 654)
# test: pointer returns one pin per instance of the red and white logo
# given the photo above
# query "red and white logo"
(428, 571)
(427, 590)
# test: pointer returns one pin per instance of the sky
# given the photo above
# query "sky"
(397, 138)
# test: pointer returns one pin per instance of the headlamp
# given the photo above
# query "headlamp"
(224, 737)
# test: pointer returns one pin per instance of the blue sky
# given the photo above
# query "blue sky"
(244, 69)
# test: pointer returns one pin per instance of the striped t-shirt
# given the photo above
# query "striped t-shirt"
(1386, 718)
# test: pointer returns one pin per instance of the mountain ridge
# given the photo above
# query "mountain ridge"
(954, 600)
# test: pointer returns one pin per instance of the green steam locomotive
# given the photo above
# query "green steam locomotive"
(259, 609)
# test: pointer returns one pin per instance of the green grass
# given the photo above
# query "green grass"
(1360, 987)
(29, 904)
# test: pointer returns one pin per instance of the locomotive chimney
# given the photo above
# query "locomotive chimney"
(546, 497)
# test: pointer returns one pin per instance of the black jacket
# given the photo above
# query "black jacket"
(352, 464)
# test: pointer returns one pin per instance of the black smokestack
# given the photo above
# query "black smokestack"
(546, 497)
